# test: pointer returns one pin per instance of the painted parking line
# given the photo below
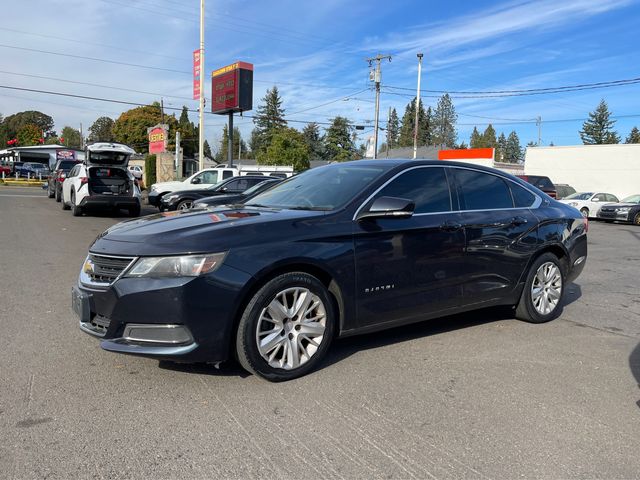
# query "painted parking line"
(23, 196)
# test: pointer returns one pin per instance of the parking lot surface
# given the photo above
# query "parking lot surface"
(473, 396)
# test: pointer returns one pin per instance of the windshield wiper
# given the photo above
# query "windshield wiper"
(315, 209)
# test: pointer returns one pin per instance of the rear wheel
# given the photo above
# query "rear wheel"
(541, 299)
(184, 205)
(636, 219)
(50, 193)
(65, 205)
(76, 211)
(58, 194)
(286, 328)
(585, 212)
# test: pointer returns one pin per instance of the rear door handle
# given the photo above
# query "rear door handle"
(450, 226)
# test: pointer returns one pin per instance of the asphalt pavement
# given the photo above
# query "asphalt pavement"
(473, 396)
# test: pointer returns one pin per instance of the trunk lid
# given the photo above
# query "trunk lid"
(103, 154)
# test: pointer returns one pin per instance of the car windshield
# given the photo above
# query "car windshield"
(580, 196)
(257, 187)
(631, 199)
(67, 164)
(216, 185)
(323, 188)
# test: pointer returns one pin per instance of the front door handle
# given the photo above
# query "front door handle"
(519, 220)
(450, 226)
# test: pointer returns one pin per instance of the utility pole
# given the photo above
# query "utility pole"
(539, 124)
(415, 128)
(81, 137)
(201, 109)
(230, 146)
(162, 110)
(375, 76)
(177, 154)
(388, 136)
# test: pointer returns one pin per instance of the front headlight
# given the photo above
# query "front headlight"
(623, 210)
(183, 266)
(573, 204)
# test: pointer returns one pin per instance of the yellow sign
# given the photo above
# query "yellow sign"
(228, 68)
(156, 137)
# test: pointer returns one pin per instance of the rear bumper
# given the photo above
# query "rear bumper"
(110, 201)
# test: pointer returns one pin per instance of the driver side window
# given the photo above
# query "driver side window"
(427, 187)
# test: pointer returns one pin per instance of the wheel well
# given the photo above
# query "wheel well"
(322, 275)
(557, 251)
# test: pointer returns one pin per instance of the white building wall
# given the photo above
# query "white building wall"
(605, 168)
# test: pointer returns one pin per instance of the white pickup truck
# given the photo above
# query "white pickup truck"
(210, 176)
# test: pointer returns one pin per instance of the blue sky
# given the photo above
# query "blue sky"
(315, 52)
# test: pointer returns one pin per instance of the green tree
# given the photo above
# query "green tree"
(15, 122)
(287, 147)
(72, 137)
(598, 128)
(489, 137)
(131, 126)
(476, 140)
(634, 136)
(314, 141)
(405, 138)
(189, 135)
(338, 140)
(29, 134)
(207, 150)
(150, 170)
(513, 150)
(102, 130)
(425, 133)
(501, 148)
(393, 129)
(444, 123)
(238, 143)
(425, 125)
(268, 120)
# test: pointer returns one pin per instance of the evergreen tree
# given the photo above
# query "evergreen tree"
(102, 130)
(634, 136)
(425, 135)
(314, 141)
(532, 144)
(444, 123)
(513, 151)
(598, 129)
(207, 150)
(269, 119)
(393, 129)
(501, 148)
(238, 144)
(489, 137)
(188, 134)
(463, 146)
(405, 139)
(339, 146)
(476, 140)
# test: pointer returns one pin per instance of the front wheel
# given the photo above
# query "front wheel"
(636, 219)
(287, 327)
(541, 299)
(584, 212)
(184, 205)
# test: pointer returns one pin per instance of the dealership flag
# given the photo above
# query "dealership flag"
(196, 74)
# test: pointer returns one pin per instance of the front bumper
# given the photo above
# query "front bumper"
(154, 198)
(619, 217)
(187, 319)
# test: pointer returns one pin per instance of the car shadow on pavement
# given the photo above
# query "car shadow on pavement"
(229, 368)
(634, 365)
(572, 293)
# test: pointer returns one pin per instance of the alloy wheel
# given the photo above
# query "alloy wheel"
(185, 205)
(291, 328)
(546, 288)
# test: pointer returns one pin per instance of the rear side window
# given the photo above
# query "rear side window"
(611, 198)
(226, 174)
(543, 183)
(426, 187)
(482, 191)
(522, 198)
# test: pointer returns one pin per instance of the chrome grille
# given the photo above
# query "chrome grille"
(103, 270)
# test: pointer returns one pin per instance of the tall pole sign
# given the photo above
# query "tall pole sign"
(232, 91)
(201, 74)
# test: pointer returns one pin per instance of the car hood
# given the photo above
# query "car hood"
(168, 186)
(220, 199)
(207, 230)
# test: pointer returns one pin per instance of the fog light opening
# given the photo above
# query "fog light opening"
(158, 334)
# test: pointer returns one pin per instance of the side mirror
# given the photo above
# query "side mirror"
(224, 189)
(196, 180)
(389, 207)
(596, 200)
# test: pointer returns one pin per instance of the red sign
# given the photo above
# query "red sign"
(465, 153)
(196, 74)
(157, 140)
(232, 88)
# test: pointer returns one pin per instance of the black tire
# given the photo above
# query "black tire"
(526, 309)
(50, 193)
(64, 204)
(76, 211)
(585, 212)
(636, 219)
(134, 211)
(184, 204)
(58, 194)
(247, 349)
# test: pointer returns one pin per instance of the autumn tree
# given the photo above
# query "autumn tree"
(29, 134)
(131, 126)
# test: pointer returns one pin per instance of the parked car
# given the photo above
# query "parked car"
(563, 190)
(15, 168)
(338, 250)
(183, 199)
(5, 170)
(136, 171)
(210, 176)
(59, 173)
(102, 181)
(543, 183)
(628, 211)
(589, 202)
(32, 170)
(236, 198)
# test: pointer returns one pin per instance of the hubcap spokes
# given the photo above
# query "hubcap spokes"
(291, 328)
(546, 288)
(185, 206)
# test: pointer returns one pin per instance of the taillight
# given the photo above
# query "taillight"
(83, 180)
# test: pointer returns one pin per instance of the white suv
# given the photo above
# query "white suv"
(102, 181)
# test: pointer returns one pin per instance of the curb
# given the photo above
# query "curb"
(21, 183)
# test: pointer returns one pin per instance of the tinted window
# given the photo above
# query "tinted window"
(236, 185)
(482, 191)
(601, 197)
(427, 187)
(227, 174)
(67, 164)
(521, 198)
(207, 177)
(611, 198)
(543, 183)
